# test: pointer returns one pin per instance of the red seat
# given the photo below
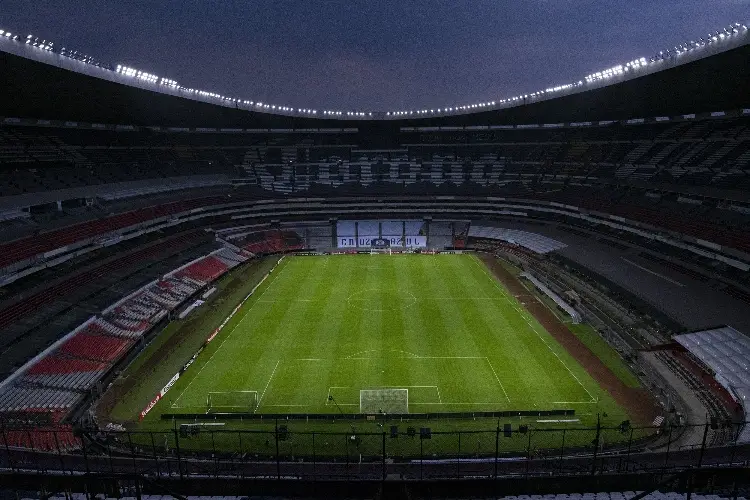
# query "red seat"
(34, 245)
(58, 365)
(205, 270)
(96, 347)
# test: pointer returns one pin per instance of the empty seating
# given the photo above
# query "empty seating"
(95, 347)
(58, 380)
(534, 242)
(68, 287)
(205, 270)
(65, 373)
(29, 247)
(272, 241)
(18, 398)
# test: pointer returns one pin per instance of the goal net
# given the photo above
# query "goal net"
(373, 401)
(380, 251)
(232, 402)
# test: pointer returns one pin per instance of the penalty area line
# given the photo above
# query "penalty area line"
(533, 328)
(497, 378)
(242, 319)
(267, 384)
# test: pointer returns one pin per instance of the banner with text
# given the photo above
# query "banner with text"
(396, 241)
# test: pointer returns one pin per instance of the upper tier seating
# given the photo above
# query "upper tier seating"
(66, 287)
(694, 226)
(711, 154)
(46, 242)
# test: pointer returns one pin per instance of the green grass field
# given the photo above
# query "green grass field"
(439, 326)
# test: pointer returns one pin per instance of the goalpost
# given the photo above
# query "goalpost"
(380, 246)
(380, 251)
(232, 402)
(373, 401)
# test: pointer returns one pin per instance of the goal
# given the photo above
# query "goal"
(232, 402)
(380, 246)
(380, 251)
(373, 401)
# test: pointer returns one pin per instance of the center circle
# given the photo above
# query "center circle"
(382, 299)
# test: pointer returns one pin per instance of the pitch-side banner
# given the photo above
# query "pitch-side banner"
(396, 241)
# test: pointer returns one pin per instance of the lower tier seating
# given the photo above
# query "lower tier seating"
(58, 381)
(272, 241)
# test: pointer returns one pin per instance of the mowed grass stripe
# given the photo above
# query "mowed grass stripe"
(562, 371)
(184, 394)
(375, 321)
(467, 328)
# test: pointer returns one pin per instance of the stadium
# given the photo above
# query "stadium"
(207, 295)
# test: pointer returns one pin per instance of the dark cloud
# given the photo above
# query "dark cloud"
(382, 54)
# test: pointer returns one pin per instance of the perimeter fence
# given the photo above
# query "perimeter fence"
(374, 451)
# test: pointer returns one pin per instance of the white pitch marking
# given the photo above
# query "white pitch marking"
(593, 400)
(497, 378)
(461, 298)
(371, 387)
(242, 319)
(267, 384)
(352, 356)
(464, 404)
(421, 357)
(334, 387)
(573, 402)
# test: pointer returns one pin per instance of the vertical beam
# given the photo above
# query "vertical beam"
(596, 443)
(278, 463)
(177, 447)
(703, 444)
(383, 452)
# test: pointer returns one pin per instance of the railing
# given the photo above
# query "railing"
(374, 452)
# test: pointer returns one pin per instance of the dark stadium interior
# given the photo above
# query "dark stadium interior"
(110, 192)
(42, 91)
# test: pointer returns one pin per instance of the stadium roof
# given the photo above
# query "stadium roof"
(60, 84)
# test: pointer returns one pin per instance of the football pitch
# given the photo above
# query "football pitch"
(440, 329)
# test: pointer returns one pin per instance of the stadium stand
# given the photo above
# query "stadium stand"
(55, 240)
(522, 159)
(95, 347)
(562, 304)
(534, 242)
(726, 352)
(26, 310)
(618, 495)
(668, 193)
(272, 241)
(60, 377)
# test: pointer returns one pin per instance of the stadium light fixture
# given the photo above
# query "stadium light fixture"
(603, 75)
